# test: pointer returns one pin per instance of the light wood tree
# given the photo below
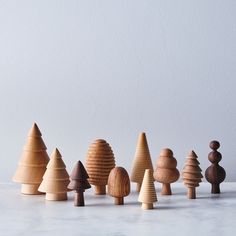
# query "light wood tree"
(55, 179)
(191, 174)
(147, 193)
(142, 161)
(32, 165)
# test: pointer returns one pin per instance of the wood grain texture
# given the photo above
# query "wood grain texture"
(100, 161)
(215, 174)
(147, 193)
(55, 179)
(142, 161)
(79, 182)
(166, 171)
(191, 174)
(33, 162)
(118, 184)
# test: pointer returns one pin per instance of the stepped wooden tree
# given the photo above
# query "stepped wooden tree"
(118, 184)
(166, 171)
(99, 162)
(215, 174)
(142, 160)
(55, 179)
(147, 193)
(191, 174)
(79, 182)
(32, 165)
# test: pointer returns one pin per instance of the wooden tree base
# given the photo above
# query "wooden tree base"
(100, 190)
(31, 189)
(56, 196)
(79, 199)
(147, 206)
(215, 188)
(191, 193)
(119, 201)
(166, 190)
(138, 187)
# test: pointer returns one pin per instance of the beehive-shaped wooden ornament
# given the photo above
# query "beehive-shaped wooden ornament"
(118, 184)
(166, 171)
(99, 162)
(55, 179)
(147, 193)
(142, 161)
(192, 174)
(79, 183)
(32, 165)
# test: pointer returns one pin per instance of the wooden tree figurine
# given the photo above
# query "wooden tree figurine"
(166, 171)
(192, 174)
(142, 161)
(79, 183)
(55, 179)
(33, 163)
(118, 184)
(99, 162)
(147, 193)
(215, 174)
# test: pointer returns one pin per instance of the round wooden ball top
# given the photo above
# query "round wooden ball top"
(214, 145)
(166, 152)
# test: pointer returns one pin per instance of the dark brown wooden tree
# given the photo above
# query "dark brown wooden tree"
(79, 182)
(215, 174)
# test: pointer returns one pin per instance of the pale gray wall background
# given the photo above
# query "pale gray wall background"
(110, 69)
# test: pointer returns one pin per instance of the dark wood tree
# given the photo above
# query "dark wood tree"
(79, 182)
(215, 174)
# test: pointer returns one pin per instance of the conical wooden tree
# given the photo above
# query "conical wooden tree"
(166, 171)
(118, 184)
(79, 182)
(147, 193)
(33, 162)
(99, 162)
(142, 160)
(192, 174)
(55, 179)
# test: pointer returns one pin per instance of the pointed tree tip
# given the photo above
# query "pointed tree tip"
(193, 154)
(56, 153)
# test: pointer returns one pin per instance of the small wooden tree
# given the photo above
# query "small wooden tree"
(32, 165)
(142, 160)
(215, 174)
(118, 184)
(192, 174)
(166, 171)
(79, 183)
(147, 193)
(55, 179)
(100, 161)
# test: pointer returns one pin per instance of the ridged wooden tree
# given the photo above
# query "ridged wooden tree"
(166, 171)
(142, 161)
(118, 184)
(191, 174)
(55, 179)
(32, 165)
(147, 193)
(79, 183)
(100, 161)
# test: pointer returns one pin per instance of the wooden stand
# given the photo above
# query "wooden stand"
(191, 193)
(147, 206)
(31, 189)
(100, 190)
(56, 196)
(79, 198)
(119, 201)
(166, 190)
(215, 188)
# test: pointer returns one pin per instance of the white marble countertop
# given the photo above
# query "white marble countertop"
(173, 215)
